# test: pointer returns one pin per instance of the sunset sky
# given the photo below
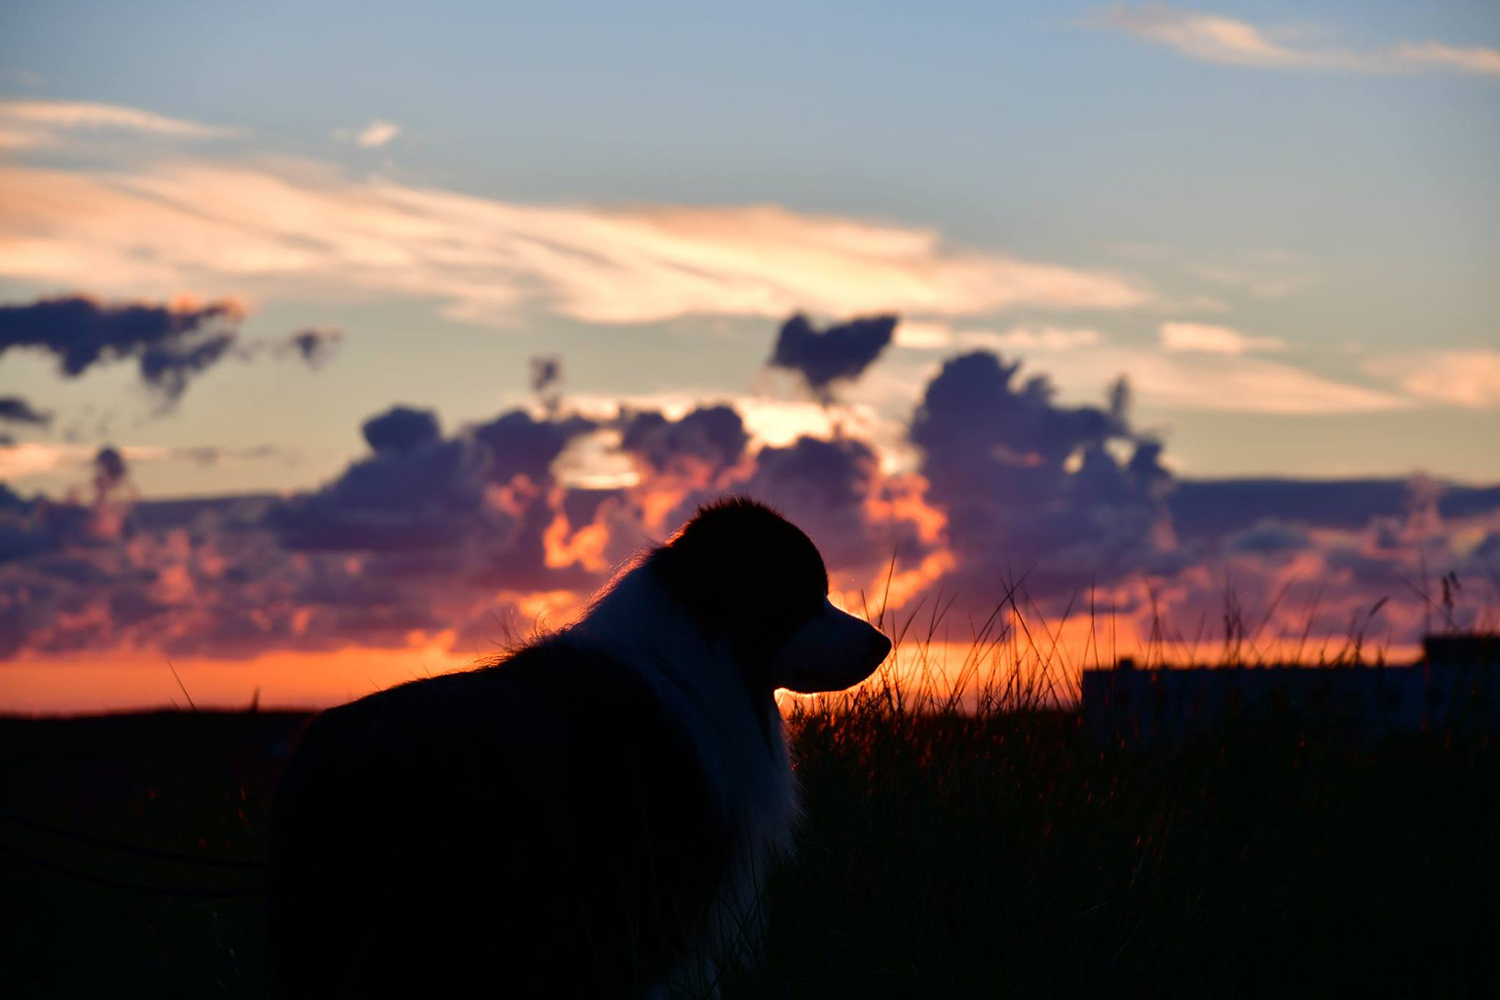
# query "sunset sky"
(1279, 222)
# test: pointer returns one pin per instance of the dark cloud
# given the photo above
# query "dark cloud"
(817, 474)
(840, 353)
(166, 367)
(391, 548)
(1269, 537)
(460, 536)
(170, 343)
(518, 444)
(16, 410)
(421, 495)
(823, 485)
(1033, 487)
(41, 526)
(401, 429)
(546, 373)
(713, 436)
(110, 469)
(314, 345)
(1214, 509)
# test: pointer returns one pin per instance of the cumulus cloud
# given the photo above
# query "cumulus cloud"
(713, 436)
(283, 230)
(441, 538)
(170, 342)
(1215, 38)
(840, 353)
(401, 429)
(1470, 379)
(416, 493)
(1032, 486)
(1182, 336)
(520, 444)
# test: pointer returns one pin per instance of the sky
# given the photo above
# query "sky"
(230, 235)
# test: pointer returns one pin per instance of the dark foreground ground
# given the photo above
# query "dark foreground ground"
(941, 857)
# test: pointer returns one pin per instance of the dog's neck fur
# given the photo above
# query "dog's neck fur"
(736, 730)
(739, 738)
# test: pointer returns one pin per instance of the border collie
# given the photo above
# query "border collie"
(591, 815)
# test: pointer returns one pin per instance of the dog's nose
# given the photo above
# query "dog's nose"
(880, 647)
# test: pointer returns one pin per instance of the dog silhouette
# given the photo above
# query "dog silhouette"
(592, 815)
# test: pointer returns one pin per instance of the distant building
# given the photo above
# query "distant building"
(1455, 687)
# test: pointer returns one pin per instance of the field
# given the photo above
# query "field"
(989, 854)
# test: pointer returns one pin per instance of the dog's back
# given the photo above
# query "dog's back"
(541, 827)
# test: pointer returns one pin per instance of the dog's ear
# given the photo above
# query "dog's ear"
(744, 573)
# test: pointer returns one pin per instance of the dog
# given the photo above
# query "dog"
(593, 814)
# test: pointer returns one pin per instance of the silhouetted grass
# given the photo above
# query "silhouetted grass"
(1001, 853)
(960, 840)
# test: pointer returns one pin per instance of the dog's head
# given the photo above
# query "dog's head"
(751, 578)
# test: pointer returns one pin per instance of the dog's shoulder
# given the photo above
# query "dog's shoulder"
(551, 795)
(559, 706)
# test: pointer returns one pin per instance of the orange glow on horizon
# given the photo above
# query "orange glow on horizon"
(1025, 660)
(69, 685)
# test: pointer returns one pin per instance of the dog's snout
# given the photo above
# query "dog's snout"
(879, 646)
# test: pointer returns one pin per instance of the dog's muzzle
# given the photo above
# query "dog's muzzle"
(834, 650)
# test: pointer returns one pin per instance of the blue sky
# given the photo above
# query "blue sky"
(1305, 195)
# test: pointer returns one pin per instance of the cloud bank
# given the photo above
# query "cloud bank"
(457, 538)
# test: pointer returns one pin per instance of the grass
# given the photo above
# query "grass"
(956, 845)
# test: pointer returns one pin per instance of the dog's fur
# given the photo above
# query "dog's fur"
(592, 815)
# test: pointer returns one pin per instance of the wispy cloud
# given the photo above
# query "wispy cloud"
(928, 335)
(1214, 38)
(1202, 337)
(305, 228)
(1436, 54)
(23, 459)
(1469, 379)
(39, 120)
(1227, 383)
(377, 132)
(1196, 367)
(25, 77)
